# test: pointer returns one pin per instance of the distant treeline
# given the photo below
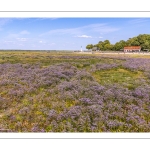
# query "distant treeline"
(142, 40)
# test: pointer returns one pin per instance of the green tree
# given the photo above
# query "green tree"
(100, 45)
(106, 42)
(146, 45)
(90, 46)
(119, 45)
(142, 40)
(106, 45)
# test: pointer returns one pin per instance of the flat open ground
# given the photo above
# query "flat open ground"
(74, 92)
(114, 53)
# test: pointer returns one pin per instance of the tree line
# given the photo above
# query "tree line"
(142, 40)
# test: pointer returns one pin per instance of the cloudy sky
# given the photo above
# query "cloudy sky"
(67, 33)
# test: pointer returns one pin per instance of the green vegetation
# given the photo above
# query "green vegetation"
(127, 78)
(142, 40)
(69, 92)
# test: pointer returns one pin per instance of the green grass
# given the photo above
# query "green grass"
(121, 76)
(44, 58)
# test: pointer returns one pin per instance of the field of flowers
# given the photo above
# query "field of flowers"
(67, 92)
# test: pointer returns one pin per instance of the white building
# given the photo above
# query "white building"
(81, 48)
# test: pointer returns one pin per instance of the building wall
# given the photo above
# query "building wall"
(129, 50)
(132, 49)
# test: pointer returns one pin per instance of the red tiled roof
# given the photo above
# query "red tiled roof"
(132, 47)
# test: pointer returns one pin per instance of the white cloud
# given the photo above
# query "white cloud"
(8, 41)
(18, 35)
(99, 28)
(138, 21)
(41, 19)
(62, 31)
(24, 32)
(22, 39)
(84, 36)
(12, 35)
(42, 42)
(4, 21)
(102, 28)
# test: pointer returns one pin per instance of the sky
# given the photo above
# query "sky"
(67, 33)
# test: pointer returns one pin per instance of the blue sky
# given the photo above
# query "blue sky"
(67, 33)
